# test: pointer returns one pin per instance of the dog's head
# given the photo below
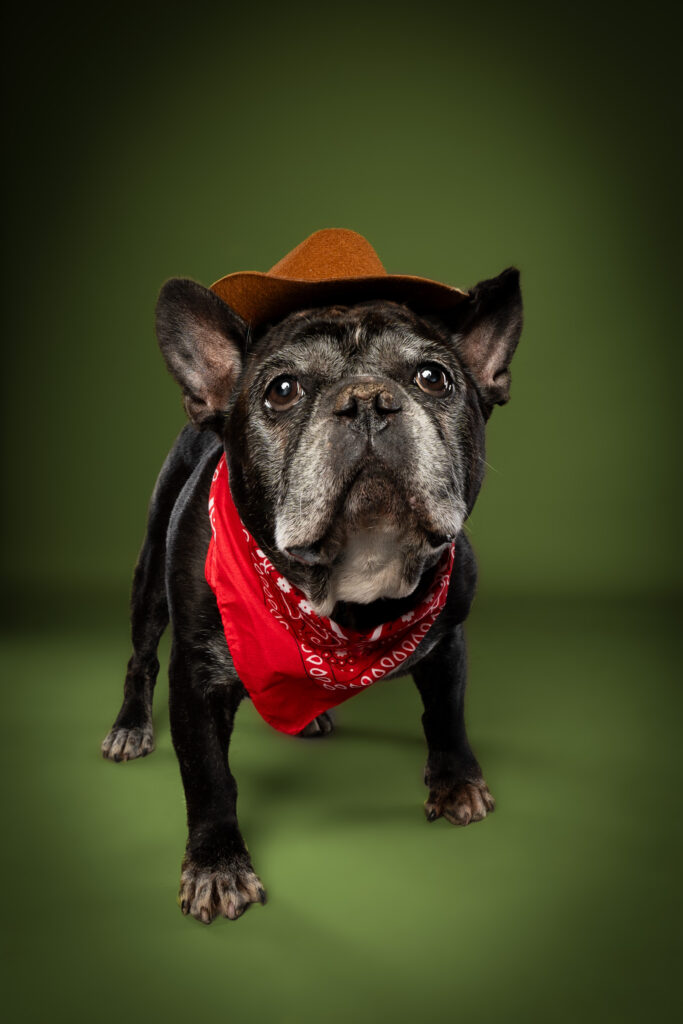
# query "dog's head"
(354, 434)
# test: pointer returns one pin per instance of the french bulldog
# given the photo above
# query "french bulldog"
(354, 439)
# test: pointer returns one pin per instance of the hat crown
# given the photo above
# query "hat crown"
(329, 254)
(331, 266)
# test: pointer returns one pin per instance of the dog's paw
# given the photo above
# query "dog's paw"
(227, 889)
(460, 802)
(320, 726)
(127, 744)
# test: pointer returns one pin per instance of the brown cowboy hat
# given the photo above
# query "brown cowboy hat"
(330, 266)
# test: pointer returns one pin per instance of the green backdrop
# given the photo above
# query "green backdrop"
(197, 140)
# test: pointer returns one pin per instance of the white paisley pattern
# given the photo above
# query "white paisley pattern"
(341, 659)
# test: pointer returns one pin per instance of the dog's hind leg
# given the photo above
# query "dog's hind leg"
(323, 725)
(132, 734)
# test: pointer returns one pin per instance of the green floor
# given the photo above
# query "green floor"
(560, 907)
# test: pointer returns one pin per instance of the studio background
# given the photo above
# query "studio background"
(195, 141)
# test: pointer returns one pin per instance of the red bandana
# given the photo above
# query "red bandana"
(293, 663)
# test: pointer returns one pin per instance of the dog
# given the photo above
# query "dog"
(305, 535)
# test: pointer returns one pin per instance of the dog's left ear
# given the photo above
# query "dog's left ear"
(487, 328)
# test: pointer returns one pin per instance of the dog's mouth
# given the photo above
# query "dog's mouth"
(372, 503)
(310, 555)
(318, 552)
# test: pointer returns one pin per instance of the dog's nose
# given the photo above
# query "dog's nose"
(367, 404)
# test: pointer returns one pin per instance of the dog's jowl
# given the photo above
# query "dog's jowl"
(305, 536)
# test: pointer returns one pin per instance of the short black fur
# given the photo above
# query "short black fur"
(223, 376)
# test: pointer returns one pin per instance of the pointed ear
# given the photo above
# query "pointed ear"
(202, 341)
(488, 328)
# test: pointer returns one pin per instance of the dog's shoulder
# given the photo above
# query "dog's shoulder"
(189, 528)
(192, 445)
(463, 583)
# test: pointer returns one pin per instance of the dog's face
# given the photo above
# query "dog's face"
(350, 424)
(355, 434)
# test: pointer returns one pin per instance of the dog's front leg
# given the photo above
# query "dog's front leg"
(457, 790)
(217, 874)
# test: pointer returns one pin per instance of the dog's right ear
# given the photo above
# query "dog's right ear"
(202, 340)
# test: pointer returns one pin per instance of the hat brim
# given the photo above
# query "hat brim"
(261, 299)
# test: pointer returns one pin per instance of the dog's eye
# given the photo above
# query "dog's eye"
(433, 380)
(283, 393)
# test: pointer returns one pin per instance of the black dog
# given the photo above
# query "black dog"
(354, 437)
